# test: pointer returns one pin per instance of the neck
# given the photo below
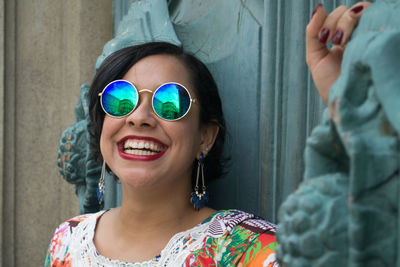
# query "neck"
(153, 206)
(162, 209)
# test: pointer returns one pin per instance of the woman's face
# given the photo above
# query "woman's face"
(172, 146)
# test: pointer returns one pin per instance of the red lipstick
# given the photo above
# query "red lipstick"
(129, 156)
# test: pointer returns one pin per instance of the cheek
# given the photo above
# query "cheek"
(110, 126)
(189, 137)
(103, 143)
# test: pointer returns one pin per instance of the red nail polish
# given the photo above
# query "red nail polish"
(357, 9)
(323, 35)
(315, 9)
(337, 37)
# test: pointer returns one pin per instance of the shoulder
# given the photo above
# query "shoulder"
(230, 222)
(238, 238)
(254, 236)
(58, 251)
(68, 228)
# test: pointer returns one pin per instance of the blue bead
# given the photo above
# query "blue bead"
(99, 195)
(198, 202)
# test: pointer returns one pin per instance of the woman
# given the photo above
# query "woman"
(157, 121)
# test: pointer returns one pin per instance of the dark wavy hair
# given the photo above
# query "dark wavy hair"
(117, 65)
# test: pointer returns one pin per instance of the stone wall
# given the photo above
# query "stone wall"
(47, 49)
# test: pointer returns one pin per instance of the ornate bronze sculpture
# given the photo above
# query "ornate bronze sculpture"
(345, 213)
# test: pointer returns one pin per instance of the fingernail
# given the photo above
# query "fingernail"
(315, 9)
(337, 37)
(323, 35)
(357, 9)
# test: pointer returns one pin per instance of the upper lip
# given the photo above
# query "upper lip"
(144, 138)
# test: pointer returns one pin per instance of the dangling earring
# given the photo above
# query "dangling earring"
(101, 187)
(198, 199)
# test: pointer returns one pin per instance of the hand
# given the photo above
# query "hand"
(338, 26)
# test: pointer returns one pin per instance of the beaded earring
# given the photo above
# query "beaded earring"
(198, 199)
(101, 187)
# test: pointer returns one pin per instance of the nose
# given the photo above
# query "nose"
(143, 115)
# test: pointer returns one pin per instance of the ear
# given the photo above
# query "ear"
(209, 133)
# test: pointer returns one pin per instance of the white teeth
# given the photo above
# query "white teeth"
(142, 145)
(140, 152)
(127, 144)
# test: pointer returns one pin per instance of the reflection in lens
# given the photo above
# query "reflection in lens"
(119, 98)
(171, 101)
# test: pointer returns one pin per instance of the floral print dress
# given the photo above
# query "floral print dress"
(226, 238)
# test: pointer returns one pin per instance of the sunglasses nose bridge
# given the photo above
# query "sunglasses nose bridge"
(144, 99)
(145, 90)
(144, 102)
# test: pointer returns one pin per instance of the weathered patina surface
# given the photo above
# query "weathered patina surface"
(345, 213)
(74, 159)
(146, 21)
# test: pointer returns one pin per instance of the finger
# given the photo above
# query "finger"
(347, 22)
(315, 50)
(330, 24)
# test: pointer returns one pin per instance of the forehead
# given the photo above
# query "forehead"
(152, 71)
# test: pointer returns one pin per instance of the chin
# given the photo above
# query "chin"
(138, 179)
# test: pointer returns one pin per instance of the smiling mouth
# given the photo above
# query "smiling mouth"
(142, 147)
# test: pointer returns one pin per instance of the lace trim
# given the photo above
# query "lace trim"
(84, 253)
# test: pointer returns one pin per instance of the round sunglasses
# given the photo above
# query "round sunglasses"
(171, 101)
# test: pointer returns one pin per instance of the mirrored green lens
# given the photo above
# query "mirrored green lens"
(119, 98)
(171, 101)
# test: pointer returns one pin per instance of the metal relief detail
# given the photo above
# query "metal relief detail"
(345, 213)
(74, 160)
(146, 21)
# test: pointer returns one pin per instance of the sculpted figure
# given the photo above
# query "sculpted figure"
(75, 161)
(146, 21)
(345, 213)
